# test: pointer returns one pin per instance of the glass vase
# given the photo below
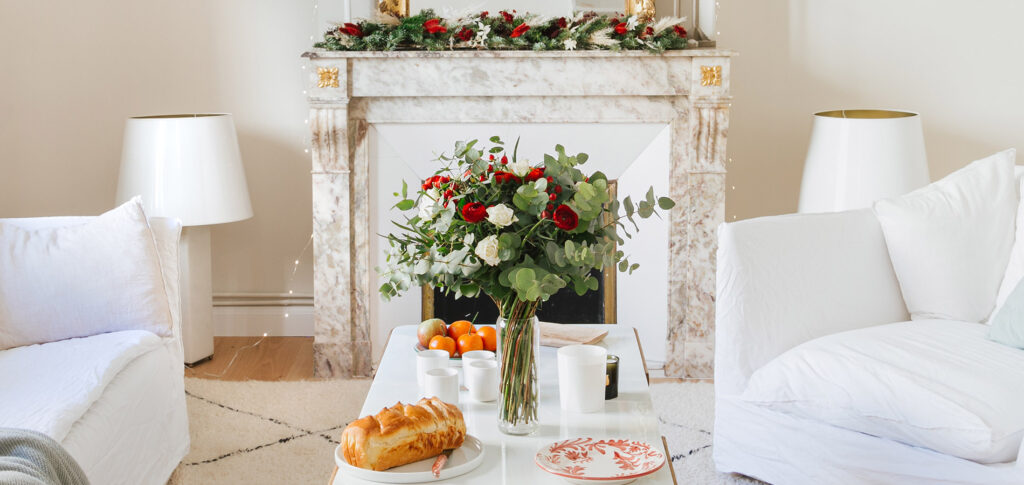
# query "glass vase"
(518, 348)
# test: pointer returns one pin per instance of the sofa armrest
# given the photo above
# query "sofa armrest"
(167, 235)
(784, 280)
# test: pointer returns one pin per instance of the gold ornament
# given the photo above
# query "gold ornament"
(328, 77)
(395, 8)
(643, 9)
(710, 75)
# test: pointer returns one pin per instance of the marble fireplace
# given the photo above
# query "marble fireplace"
(687, 91)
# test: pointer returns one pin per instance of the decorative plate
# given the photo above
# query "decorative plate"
(463, 460)
(607, 461)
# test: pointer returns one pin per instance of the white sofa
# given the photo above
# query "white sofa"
(787, 280)
(115, 401)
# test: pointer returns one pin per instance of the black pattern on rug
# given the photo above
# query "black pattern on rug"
(679, 456)
(302, 432)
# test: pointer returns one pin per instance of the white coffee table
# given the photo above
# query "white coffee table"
(509, 460)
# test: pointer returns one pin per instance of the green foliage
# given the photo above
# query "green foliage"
(519, 251)
(495, 32)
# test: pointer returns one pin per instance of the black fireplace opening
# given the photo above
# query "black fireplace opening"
(563, 307)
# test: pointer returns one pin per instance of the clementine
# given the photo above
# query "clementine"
(490, 338)
(470, 342)
(460, 328)
(440, 342)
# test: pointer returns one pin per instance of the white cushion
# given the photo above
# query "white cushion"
(74, 281)
(48, 387)
(1015, 267)
(950, 241)
(936, 384)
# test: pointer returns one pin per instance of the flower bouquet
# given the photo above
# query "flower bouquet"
(517, 232)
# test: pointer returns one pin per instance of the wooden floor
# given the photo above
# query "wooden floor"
(274, 359)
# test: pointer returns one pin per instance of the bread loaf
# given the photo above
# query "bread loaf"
(402, 434)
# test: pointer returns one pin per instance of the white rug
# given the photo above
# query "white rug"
(285, 432)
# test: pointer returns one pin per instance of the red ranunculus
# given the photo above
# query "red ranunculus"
(520, 30)
(474, 212)
(565, 218)
(505, 177)
(535, 174)
(680, 31)
(435, 181)
(561, 23)
(621, 28)
(433, 26)
(351, 29)
(465, 34)
(507, 16)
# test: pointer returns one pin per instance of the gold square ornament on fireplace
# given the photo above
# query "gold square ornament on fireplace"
(328, 77)
(710, 75)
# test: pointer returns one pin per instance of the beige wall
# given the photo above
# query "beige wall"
(72, 71)
(959, 64)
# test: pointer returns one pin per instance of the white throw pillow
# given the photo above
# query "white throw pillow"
(936, 384)
(1015, 267)
(86, 279)
(950, 241)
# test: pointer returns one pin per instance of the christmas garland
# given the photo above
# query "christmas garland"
(507, 31)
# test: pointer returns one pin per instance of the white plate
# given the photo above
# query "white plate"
(463, 460)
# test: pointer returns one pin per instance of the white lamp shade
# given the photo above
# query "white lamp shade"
(185, 166)
(857, 157)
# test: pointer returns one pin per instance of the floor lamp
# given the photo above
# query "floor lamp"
(187, 166)
(859, 156)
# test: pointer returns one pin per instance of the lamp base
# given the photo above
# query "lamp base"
(196, 293)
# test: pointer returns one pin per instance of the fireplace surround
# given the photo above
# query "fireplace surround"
(687, 90)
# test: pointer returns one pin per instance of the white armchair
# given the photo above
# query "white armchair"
(786, 280)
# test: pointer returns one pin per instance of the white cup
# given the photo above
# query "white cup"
(581, 375)
(482, 379)
(427, 360)
(442, 384)
(476, 355)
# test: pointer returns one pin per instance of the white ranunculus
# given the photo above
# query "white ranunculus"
(487, 250)
(429, 206)
(520, 168)
(501, 215)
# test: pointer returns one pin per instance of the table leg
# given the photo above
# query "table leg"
(668, 458)
(642, 358)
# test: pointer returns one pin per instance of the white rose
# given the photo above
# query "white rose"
(487, 250)
(501, 216)
(428, 204)
(520, 168)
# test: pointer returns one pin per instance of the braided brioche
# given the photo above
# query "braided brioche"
(403, 433)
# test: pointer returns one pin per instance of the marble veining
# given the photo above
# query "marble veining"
(513, 87)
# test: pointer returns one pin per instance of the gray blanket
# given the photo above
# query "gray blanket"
(31, 458)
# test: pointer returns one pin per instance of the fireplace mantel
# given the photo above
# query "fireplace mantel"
(687, 90)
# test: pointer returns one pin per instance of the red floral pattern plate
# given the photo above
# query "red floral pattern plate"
(607, 461)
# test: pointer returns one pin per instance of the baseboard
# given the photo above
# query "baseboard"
(252, 315)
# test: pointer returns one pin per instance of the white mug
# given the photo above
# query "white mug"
(581, 376)
(476, 355)
(429, 360)
(442, 384)
(482, 379)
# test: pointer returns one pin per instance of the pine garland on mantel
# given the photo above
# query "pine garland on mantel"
(507, 31)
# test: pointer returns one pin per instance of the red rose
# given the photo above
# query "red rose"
(613, 21)
(535, 174)
(507, 16)
(565, 218)
(351, 29)
(520, 30)
(474, 212)
(504, 160)
(433, 26)
(561, 23)
(465, 34)
(680, 31)
(484, 14)
(621, 28)
(647, 32)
